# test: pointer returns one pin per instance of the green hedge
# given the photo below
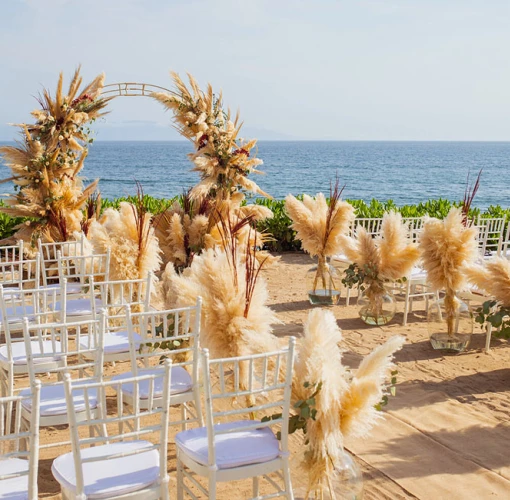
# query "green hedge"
(283, 237)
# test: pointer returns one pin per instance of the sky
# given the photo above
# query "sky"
(296, 70)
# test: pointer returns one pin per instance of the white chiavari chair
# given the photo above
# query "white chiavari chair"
(490, 236)
(33, 306)
(20, 274)
(19, 449)
(87, 271)
(12, 253)
(129, 459)
(233, 445)
(173, 334)
(83, 362)
(115, 296)
(49, 260)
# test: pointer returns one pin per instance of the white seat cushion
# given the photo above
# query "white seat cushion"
(17, 313)
(71, 288)
(15, 488)
(114, 342)
(111, 476)
(19, 353)
(79, 307)
(341, 258)
(53, 400)
(234, 449)
(181, 382)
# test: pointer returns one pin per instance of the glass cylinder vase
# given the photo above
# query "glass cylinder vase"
(450, 324)
(344, 483)
(323, 284)
(377, 305)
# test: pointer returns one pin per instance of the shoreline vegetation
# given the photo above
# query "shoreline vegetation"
(283, 237)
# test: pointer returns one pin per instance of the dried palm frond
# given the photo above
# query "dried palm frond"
(46, 163)
(343, 407)
(469, 196)
(493, 278)
(222, 160)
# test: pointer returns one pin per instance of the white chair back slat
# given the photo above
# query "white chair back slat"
(12, 253)
(372, 225)
(49, 256)
(490, 235)
(11, 438)
(244, 378)
(21, 273)
(81, 268)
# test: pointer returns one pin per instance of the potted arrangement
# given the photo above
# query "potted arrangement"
(377, 261)
(319, 225)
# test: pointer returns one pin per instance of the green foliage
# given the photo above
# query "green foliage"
(497, 315)
(8, 223)
(304, 409)
(283, 237)
(393, 391)
(152, 205)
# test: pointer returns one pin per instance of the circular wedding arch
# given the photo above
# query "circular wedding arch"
(132, 89)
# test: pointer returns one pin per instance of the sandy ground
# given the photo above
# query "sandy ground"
(446, 434)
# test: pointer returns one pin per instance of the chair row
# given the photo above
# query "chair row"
(109, 464)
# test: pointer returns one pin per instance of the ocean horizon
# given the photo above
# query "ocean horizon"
(407, 172)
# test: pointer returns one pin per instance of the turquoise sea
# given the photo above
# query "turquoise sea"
(406, 172)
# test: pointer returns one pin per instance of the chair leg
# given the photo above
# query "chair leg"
(406, 302)
(255, 487)
(286, 479)
(198, 408)
(212, 486)
(180, 479)
(488, 338)
(184, 416)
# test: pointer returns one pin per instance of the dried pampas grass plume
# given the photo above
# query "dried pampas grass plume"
(320, 360)
(447, 246)
(358, 414)
(344, 408)
(226, 330)
(128, 234)
(320, 225)
(493, 278)
(391, 256)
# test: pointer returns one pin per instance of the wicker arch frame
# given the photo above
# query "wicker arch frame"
(132, 89)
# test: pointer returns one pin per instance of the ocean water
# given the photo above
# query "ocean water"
(406, 172)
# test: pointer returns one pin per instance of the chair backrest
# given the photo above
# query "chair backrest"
(128, 424)
(77, 345)
(172, 333)
(11, 253)
(38, 305)
(415, 225)
(491, 234)
(505, 247)
(116, 295)
(372, 225)
(262, 380)
(82, 267)
(13, 440)
(20, 273)
(49, 256)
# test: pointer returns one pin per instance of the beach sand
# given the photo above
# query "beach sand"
(446, 434)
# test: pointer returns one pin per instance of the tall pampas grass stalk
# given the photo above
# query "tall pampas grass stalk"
(345, 406)
(493, 277)
(447, 247)
(235, 318)
(129, 235)
(320, 226)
